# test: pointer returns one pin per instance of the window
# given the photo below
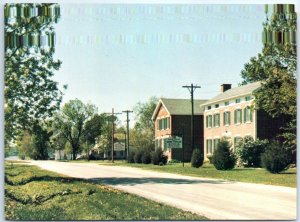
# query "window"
(209, 146)
(237, 140)
(248, 98)
(237, 100)
(208, 121)
(226, 118)
(209, 107)
(227, 103)
(216, 142)
(247, 114)
(237, 116)
(216, 120)
(217, 106)
(164, 123)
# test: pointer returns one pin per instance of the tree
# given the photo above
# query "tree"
(92, 130)
(31, 95)
(276, 158)
(223, 157)
(249, 151)
(276, 68)
(58, 142)
(143, 133)
(197, 158)
(70, 122)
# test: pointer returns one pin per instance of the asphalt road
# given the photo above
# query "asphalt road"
(215, 199)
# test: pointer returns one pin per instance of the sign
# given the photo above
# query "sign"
(174, 142)
(119, 146)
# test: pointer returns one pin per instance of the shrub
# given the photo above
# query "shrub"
(197, 158)
(223, 158)
(276, 158)
(138, 156)
(130, 158)
(249, 151)
(158, 157)
(146, 157)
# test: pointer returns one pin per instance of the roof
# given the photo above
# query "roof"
(235, 92)
(179, 106)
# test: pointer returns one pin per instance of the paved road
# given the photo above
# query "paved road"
(215, 199)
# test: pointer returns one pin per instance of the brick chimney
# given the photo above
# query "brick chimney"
(225, 87)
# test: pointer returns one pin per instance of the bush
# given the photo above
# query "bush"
(146, 157)
(276, 158)
(223, 158)
(158, 157)
(249, 151)
(138, 156)
(130, 158)
(197, 158)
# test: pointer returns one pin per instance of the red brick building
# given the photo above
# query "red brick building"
(172, 117)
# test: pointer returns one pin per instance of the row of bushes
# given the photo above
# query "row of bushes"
(146, 156)
(251, 153)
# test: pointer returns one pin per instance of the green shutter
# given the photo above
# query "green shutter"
(206, 121)
(241, 116)
(228, 118)
(234, 116)
(245, 113)
(224, 116)
(250, 115)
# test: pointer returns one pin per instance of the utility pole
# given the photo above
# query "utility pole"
(113, 133)
(192, 89)
(127, 130)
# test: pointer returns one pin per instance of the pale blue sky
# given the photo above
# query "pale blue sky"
(118, 55)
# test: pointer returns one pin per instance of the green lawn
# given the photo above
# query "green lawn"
(251, 175)
(35, 194)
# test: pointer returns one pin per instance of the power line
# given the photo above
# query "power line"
(127, 129)
(192, 89)
(113, 132)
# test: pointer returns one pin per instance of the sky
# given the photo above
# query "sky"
(117, 55)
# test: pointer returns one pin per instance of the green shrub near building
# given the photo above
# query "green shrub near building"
(197, 158)
(249, 151)
(223, 157)
(276, 158)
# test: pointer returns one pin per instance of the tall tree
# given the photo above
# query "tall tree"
(276, 67)
(70, 122)
(143, 133)
(31, 95)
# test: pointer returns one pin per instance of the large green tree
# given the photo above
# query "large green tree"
(276, 68)
(31, 94)
(70, 122)
(143, 133)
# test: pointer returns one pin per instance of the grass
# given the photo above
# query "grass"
(251, 175)
(35, 194)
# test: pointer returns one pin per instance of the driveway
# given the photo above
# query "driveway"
(215, 199)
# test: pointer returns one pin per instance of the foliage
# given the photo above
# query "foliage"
(223, 158)
(31, 94)
(25, 145)
(35, 144)
(275, 159)
(197, 158)
(131, 155)
(143, 133)
(146, 157)
(138, 156)
(50, 196)
(249, 151)
(158, 157)
(276, 68)
(70, 122)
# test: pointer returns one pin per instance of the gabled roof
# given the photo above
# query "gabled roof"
(235, 92)
(179, 106)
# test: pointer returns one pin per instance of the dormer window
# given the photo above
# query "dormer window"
(208, 107)
(217, 106)
(238, 100)
(227, 103)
